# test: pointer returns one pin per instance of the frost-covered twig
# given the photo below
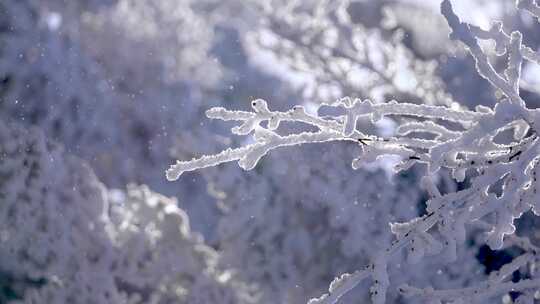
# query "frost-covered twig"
(477, 294)
(341, 286)
(340, 127)
(530, 6)
(495, 285)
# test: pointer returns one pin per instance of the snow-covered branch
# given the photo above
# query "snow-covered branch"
(495, 285)
(469, 143)
(529, 6)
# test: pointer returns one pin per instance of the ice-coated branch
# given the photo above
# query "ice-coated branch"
(249, 155)
(529, 6)
(462, 32)
(469, 146)
(341, 285)
(477, 294)
(266, 139)
(495, 285)
(331, 128)
(502, 41)
(469, 34)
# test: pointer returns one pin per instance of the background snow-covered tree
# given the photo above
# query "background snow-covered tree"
(67, 239)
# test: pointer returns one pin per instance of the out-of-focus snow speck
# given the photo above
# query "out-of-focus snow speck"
(405, 80)
(54, 21)
(116, 196)
(506, 299)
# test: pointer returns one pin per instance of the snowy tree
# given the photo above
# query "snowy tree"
(65, 238)
(110, 95)
(336, 57)
(497, 147)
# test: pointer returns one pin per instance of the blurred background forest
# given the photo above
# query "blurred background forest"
(98, 97)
